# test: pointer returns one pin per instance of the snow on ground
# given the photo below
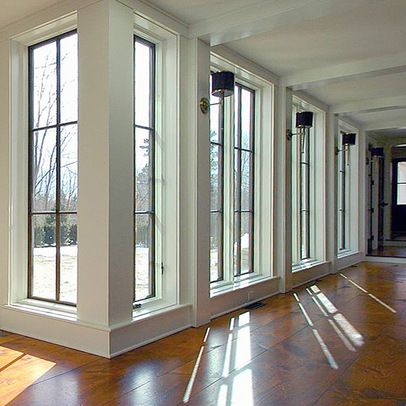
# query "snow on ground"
(44, 272)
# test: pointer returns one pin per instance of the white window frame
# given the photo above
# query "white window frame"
(263, 180)
(166, 166)
(19, 89)
(352, 197)
(317, 188)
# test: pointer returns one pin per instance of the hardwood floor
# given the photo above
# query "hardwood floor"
(389, 251)
(338, 341)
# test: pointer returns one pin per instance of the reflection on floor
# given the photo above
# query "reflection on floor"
(389, 251)
(338, 341)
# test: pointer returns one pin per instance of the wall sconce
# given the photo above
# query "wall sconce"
(377, 151)
(222, 85)
(347, 140)
(304, 121)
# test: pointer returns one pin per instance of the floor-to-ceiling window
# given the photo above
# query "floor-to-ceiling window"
(232, 158)
(343, 192)
(53, 169)
(347, 164)
(216, 187)
(308, 185)
(244, 180)
(144, 118)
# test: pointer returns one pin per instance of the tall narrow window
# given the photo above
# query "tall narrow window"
(53, 169)
(304, 201)
(302, 172)
(216, 187)
(144, 119)
(342, 193)
(243, 180)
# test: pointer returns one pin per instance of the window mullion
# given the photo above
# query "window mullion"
(58, 172)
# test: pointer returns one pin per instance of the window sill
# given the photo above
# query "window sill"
(346, 253)
(54, 310)
(306, 265)
(153, 308)
(242, 282)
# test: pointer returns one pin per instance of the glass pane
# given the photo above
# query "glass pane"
(44, 256)
(246, 180)
(401, 194)
(215, 177)
(237, 180)
(246, 248)
(69, 256)
(304, 234)
(305, 187)
(214, 123)
(340, 190)
(44, 170)
(143, 170)
(69, 78)
(143, 84)
(237, 92)
(236, 243)
(143, 255)
(246, 114)
(44, 85)
(401, 171)
(69, 168)
(215, 246)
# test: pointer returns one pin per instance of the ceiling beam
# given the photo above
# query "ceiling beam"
(365, 68)
(385, 125)
(370, 105)
(265, 16)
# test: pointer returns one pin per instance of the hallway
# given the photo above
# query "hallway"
(337, 340)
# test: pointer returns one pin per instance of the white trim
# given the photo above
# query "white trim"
(18, 166)
(318, 271)
(307, 264)
(346, 253)
(166, 164)
(263, 171)
(149, 341)
(75, 334)
(232, 60)
(351, 259)
(214, 316)
(317, 178)
(252, 280)
(231, 300)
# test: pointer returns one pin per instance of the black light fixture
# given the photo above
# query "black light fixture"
(377, 151)
(304, 121)
(222, 84)
(349, 138)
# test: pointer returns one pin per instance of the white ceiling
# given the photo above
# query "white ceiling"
(14, 10)
(349, 54)
(359, 33)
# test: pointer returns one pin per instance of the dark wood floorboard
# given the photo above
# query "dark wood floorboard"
(338, 341)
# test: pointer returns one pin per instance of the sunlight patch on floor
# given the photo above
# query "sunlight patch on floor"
(369, 294)
(324, 348)
(11, 376)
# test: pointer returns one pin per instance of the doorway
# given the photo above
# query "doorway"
(387, 201)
